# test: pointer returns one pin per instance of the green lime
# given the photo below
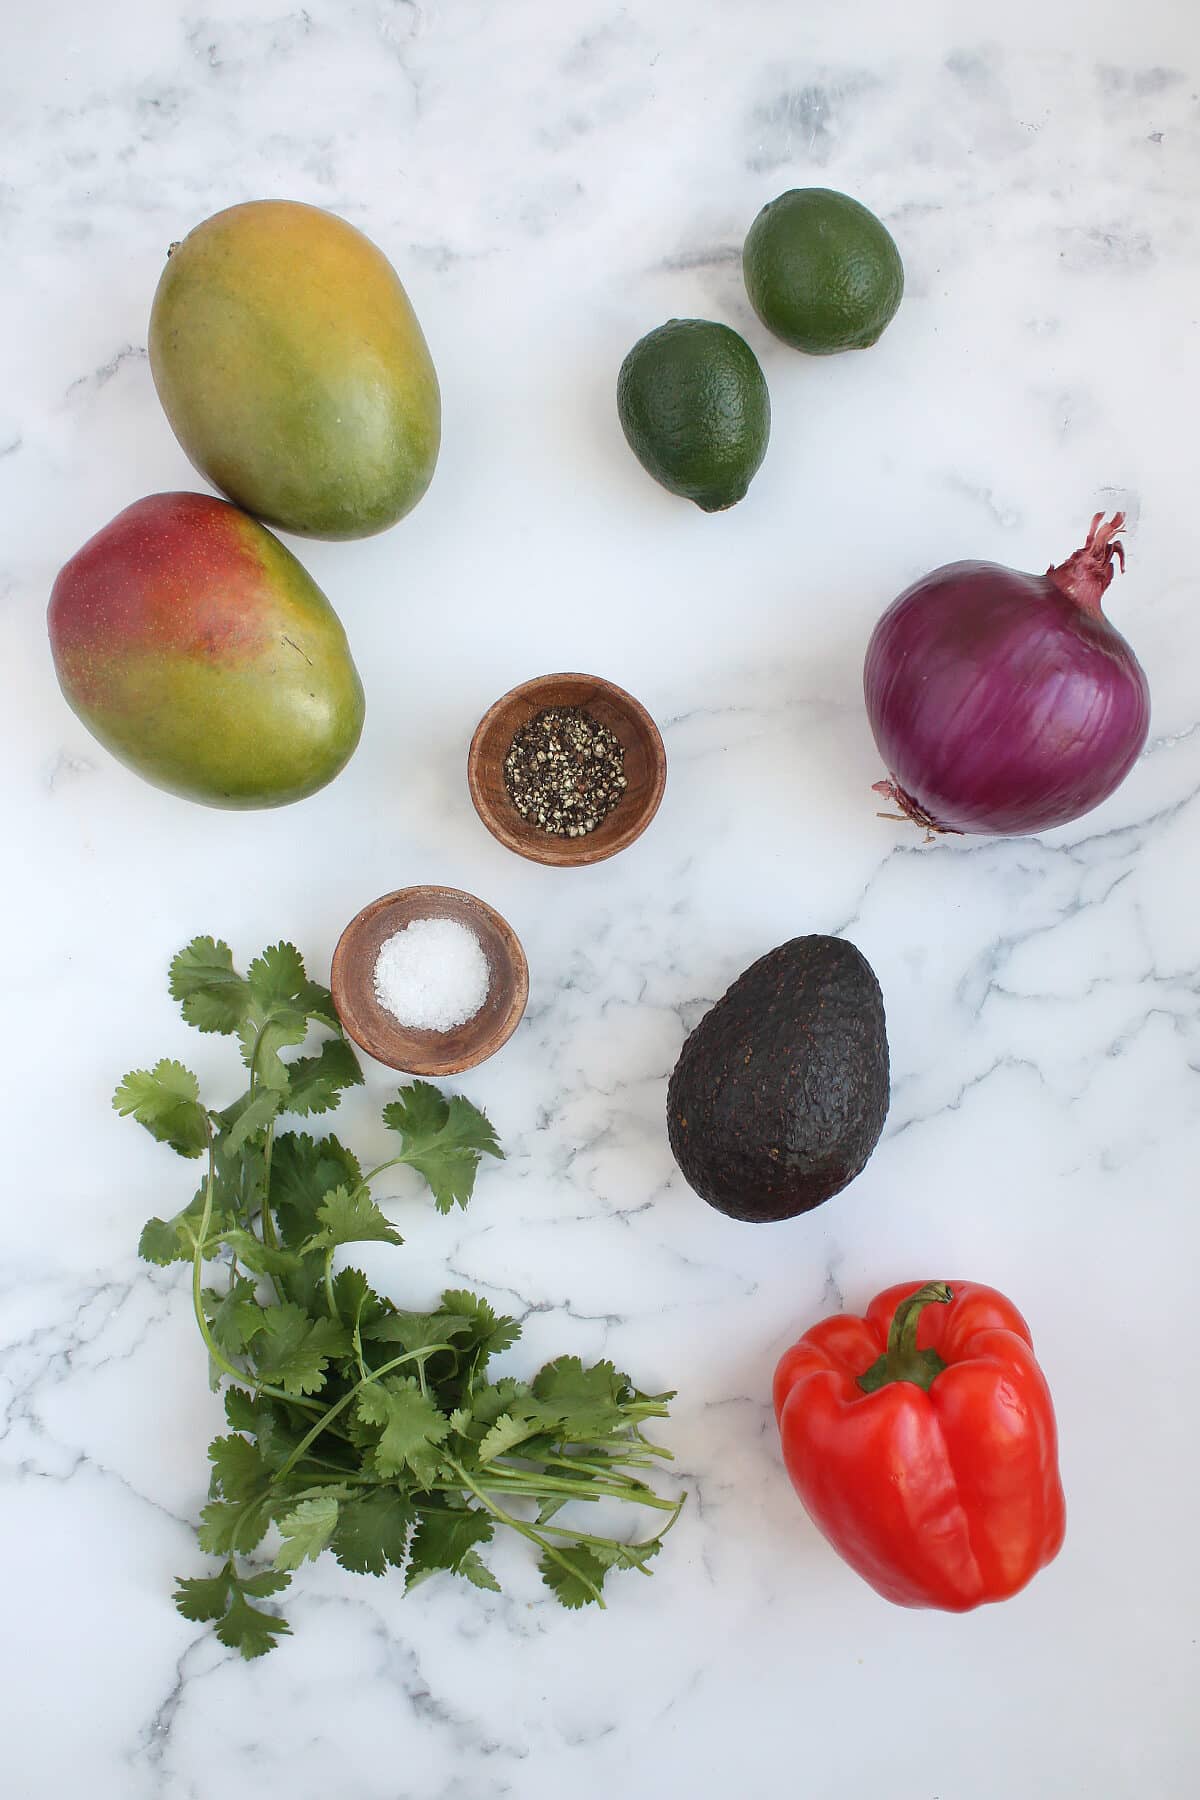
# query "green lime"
(694, 407)
(821, 271)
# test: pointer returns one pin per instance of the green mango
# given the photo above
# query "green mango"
(293, 370)
(202, 655)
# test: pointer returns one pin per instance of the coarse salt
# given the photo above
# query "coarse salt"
(432, 975)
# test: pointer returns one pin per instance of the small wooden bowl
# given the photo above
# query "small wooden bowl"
(403, 1047)
(645, 768)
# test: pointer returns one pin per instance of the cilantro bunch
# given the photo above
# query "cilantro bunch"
(356, 1426)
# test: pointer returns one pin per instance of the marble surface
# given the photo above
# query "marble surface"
(552, 181)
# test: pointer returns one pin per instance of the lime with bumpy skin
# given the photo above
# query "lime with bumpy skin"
(822, 272)
(695, 410)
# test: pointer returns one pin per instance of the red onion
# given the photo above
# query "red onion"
(1004, 702)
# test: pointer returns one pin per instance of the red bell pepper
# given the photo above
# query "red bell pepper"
(921, 1440)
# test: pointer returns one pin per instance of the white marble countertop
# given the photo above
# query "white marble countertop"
(552, 181)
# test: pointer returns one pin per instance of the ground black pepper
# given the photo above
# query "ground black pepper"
(564, 771)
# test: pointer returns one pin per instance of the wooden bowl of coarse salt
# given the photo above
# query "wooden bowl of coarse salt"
(429, 980)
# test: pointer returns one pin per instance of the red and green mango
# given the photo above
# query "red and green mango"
(197, 649)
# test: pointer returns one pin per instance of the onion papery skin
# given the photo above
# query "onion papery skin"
(1004, 703)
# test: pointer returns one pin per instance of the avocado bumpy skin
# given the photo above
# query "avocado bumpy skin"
(780, 1093)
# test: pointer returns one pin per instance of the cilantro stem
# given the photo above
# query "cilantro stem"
(603, 1543)
(603, 1465)
(329, 1295)
(270, 1235)
(532, 1490)
(369, 1177)
(346, 1477)
(243, 1377)
(358, 1349)
(214, 1350)
(530, 1481)
(310, 1437)
(526, 1531)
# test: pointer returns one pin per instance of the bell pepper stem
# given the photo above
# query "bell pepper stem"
(902, 1361)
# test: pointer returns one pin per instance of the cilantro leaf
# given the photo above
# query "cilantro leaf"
(275, 1427)
(443, 1139)
(471, 1129)
(357, 1302)
(222, 1598)
(416, 1331)
(163, 1241)
(237, 1182)
(419, 1111)
(477, 1572)
(278, 984)
(350, 1218)
(203, 1597)
(240, 1176)
(166, 1100)
(293, 1350)
(318, 1004)
(277, 978)
(626, 1556)
(248, 1629)
(510, 1429)
(482, 1334)
(279, 1433)
(261, 1043)
(238, 1470)
(243, 1410)
(372, 1531)
(444, 1537)
(588, 1402)
(314, 1083)
(306, 1530)
(411, 1425)
(491, 1332)
(280, 1003)
(302, 1173)
(269, 1581)
(262, 1258)
(213, 996)
(487, 1403)
(253, 1117)
(233, 1525)
(304, 1285)
(574, 1574)
(234, 1317)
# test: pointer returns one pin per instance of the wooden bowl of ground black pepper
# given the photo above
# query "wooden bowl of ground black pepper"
(572, 719)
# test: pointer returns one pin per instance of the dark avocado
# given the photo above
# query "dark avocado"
(780, 1093)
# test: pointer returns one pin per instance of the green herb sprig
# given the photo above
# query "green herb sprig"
(356, 1426)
